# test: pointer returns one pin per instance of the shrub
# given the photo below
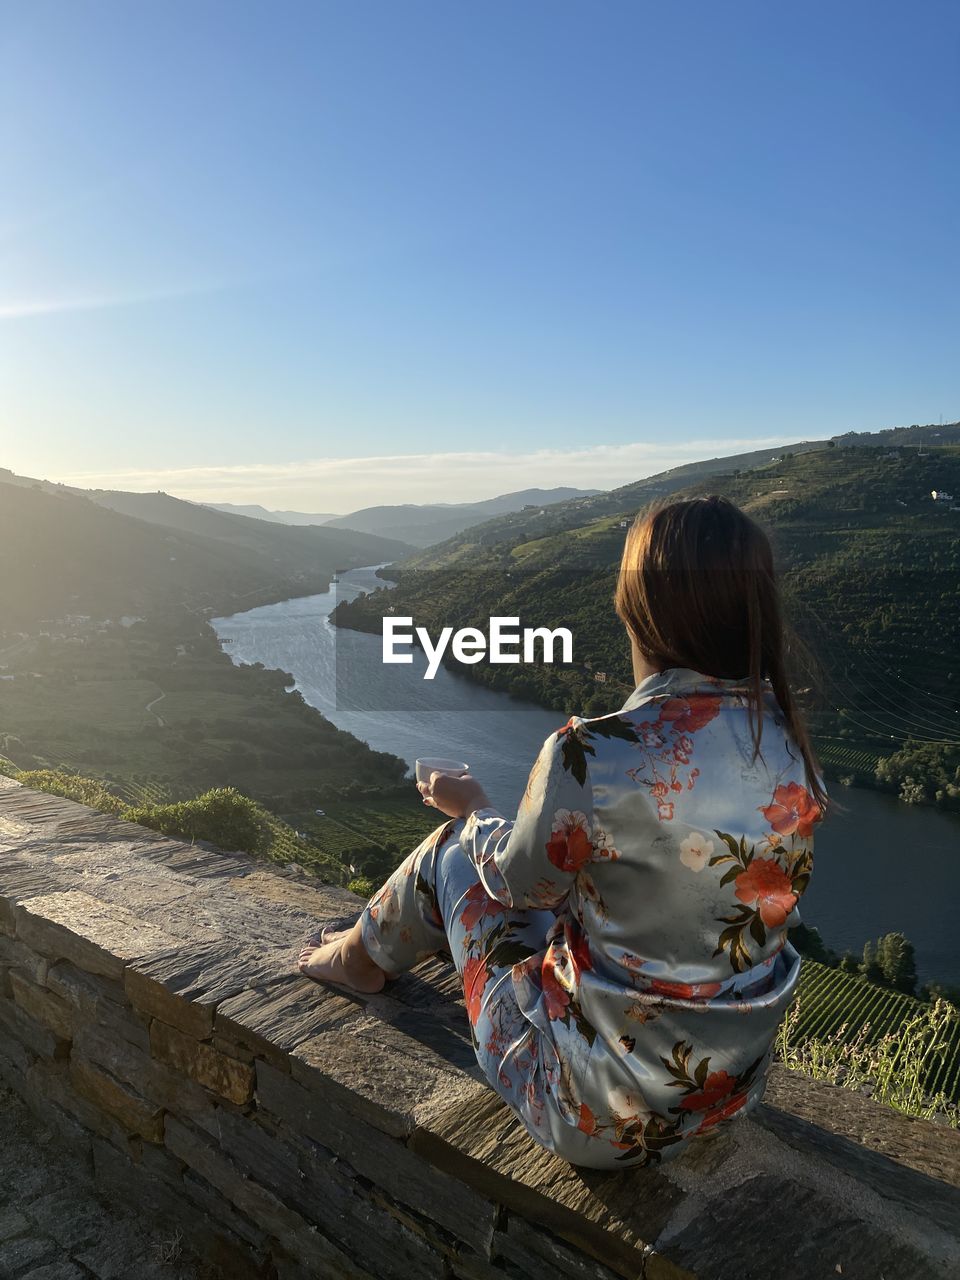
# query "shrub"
(363, 886)
(223, 817)
(71, 786)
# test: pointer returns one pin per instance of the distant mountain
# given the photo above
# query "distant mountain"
(275, 517)
(518, 526)
(105, 554)
(424, 525)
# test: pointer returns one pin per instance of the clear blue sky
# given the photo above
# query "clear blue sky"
(240, 239)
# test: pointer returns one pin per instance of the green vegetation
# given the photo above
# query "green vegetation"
(88, 791)
(363, 886)
(847, 1031)
(158, 704)
(922, 772)
(223, 817)
(891, 960)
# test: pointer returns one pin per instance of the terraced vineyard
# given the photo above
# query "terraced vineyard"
(135, 792)
(831, 1001)
(846, 759)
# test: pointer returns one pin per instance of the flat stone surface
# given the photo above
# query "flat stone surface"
(42, 1005)
(153, 1080)
(14, 954)
(12, 1223)
(100, 1001)
(382, 1076)
(20, 1027)
(735, 1235)
(56, 1271)
(271, 1021)
(98, 936)
(255, 1200)
(538, 1255)
(183, 986)
(927, 1148)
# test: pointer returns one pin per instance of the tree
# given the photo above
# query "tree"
(897, 959)
(808, 942)
(870, 968)
(849, 963)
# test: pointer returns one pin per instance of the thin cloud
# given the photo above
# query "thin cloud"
(30, 308)
(345, 484)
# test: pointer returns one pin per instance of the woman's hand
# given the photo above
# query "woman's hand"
(456, 797)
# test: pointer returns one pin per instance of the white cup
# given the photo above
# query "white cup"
(437, 764)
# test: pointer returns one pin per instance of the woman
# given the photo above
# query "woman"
(623, 941)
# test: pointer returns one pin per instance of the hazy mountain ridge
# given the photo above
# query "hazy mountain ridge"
(257, 512)
(421, 524)
(106, 554)
(426, 524)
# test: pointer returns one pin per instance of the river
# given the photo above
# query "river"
(880, 865)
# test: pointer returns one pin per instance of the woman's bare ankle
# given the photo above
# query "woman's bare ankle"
(356, 959)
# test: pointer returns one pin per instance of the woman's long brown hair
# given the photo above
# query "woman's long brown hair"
(698, 589)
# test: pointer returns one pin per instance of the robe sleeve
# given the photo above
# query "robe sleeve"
(533, 860)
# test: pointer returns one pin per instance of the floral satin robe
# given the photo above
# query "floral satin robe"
(623, 941)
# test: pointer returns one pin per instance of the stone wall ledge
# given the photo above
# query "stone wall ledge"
(150, 1012)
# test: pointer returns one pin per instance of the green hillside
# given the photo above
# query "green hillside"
(871, 572)
(277, 541)
(63, 553)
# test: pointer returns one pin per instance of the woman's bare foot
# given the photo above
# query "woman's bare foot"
(343, 960)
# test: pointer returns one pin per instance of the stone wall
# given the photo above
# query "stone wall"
(150, 1014)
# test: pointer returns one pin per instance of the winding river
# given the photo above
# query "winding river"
(880, 865)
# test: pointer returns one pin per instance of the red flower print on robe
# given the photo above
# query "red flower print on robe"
(478, 904)
(716, 1088)
(766, 887)
(588, 1121)
(474, 983)
(792, 810)
(687, 715)
(569, 847)
(555, 998)
(684, 990)
(724, 1111)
